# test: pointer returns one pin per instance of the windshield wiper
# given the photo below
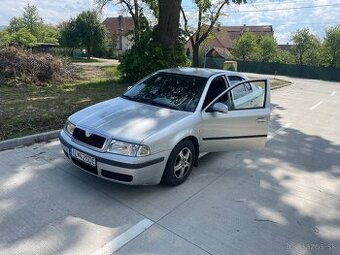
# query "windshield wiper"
(149, 101)
(163, 105)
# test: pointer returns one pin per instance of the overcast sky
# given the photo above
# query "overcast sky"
(289, 16)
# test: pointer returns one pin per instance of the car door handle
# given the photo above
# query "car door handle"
(261, 119)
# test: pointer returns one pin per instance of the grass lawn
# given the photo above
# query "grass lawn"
(29, 110)
(278, 83)
(83, 60)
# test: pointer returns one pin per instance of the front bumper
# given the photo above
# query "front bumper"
(118, 168)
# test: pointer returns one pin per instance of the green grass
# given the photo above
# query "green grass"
(277, 83)
(274, 82)
(29, 110)
(82, 60)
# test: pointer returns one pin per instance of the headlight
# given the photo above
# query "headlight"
(69, 128)
(128, 149)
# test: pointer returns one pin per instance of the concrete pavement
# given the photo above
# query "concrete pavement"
(284, 199)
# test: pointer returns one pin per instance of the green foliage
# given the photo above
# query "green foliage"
(84, 31)
(68, 34)
(23, 38)
(33, 23)
(267, 48)
(332, 44)
(284, 57)
(147, 56)
(245, 46)
(5, 39)
(48, 34)
(303, 41)
(15, 24)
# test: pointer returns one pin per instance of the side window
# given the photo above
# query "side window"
(234, 79)
(247, 96)
(217, 86)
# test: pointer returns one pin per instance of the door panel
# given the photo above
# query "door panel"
(245, 126)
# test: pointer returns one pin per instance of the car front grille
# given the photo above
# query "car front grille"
(94, 140)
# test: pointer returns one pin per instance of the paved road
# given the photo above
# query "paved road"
(284, 199)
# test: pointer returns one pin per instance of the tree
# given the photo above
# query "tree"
(168, 23)
(303, 40)
(15, 25)
(24, 38)
(135, 10)
(245, 46)
(332, 43)
(68, 35)
(284, 57)
(208, 14)
(5, 39)
(32, 21)
(84, 31)
(267, 48)
(315, 56)
(34, 24)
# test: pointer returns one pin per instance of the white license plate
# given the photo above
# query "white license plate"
(83, 157)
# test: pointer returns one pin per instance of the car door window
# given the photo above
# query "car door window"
(234, 79)
(247, 96)
(217, 86)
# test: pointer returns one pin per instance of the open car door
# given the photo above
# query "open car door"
(238, 118)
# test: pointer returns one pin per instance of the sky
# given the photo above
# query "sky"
(286, 16)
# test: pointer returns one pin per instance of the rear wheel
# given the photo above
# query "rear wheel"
(179, 164)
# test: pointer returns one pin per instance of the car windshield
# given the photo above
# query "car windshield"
(174, 91)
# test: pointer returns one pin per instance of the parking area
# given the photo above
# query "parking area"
(284, 199)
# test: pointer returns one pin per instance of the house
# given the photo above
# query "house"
(220, 42)
(120, 30)
(285, 47)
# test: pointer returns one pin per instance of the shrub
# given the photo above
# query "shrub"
(23, 67)
(147, 56)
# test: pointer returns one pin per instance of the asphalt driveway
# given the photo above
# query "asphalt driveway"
(284, 199)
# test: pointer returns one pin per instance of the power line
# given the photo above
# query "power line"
(256, 4)
(291, 8)
(284, 9)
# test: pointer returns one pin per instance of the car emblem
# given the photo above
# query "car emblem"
(87, 133)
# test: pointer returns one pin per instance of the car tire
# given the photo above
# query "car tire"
(180, 163)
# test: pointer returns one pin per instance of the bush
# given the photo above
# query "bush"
(23, 67)
(147, 56)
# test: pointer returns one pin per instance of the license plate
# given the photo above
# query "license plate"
(83, 157)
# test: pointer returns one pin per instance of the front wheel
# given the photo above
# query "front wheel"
(180, 163)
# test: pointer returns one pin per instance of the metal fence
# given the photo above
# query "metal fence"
(301, 71)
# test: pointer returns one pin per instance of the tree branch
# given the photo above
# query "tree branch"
(186, 29)
(213, 21)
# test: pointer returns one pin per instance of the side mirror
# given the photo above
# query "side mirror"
(219, 107)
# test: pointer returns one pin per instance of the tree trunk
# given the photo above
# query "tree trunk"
(88, 52)
(168, 22)
(195, 56)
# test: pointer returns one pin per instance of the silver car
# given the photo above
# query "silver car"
(157, 129)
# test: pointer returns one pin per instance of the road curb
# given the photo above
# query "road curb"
(282, 85)
(28, 140)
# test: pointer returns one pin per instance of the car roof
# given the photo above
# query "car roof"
(199, 72)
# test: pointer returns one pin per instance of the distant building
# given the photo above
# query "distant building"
(120, 30)
(221, 40)
(286, 47)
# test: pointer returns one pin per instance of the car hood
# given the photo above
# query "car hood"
(126, 120)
